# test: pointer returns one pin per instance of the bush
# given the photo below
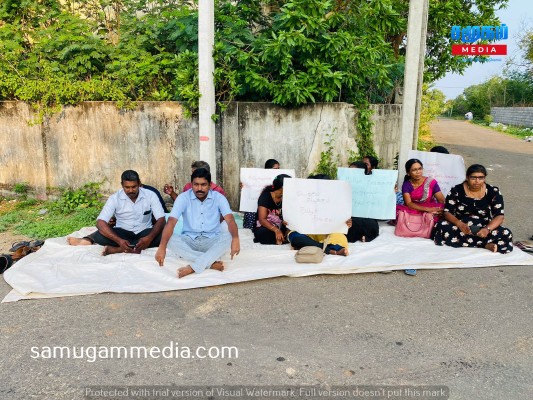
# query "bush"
(85, 197)
(21, 188)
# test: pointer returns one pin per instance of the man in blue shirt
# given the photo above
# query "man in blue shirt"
(133, 207)
(202, 240)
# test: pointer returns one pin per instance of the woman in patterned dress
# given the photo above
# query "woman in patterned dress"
(473, 215)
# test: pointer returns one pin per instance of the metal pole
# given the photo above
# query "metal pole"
(206, 69)
(413, 65)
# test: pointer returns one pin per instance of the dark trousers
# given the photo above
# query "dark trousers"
(131, 237)
(363, 227)
(266, 236)
(299, 240)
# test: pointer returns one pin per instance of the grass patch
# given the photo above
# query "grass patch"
(518, 132)
(27, 217)
(55, 224)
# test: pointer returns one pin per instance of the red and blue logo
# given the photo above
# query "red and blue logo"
(469, 35)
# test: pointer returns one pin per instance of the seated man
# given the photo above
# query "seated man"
(133, 207)
(202, 240)
(168, 189)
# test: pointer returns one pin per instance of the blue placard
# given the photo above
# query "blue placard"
(373, 196)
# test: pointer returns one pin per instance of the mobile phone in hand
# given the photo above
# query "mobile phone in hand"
(475, 229)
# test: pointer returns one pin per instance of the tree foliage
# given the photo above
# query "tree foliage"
(290, 52)
(433, 105)
(515, 89)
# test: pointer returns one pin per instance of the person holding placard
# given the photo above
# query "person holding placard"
(249, 218)
(473, 215)
(270, 228)
(362, 165)
(363, 229)
(371, 163)
(169, 189)
(334, 243)
(421, 194)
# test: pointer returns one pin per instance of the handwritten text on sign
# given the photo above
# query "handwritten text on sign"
(373, 195)
(447, 169)
(315, 206)
(253, 181)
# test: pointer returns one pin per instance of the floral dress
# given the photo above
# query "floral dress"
(473, 212)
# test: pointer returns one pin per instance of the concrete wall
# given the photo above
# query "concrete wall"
(387, 119)
(517, 116)
(95, 141)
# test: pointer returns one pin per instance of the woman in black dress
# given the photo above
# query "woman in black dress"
(473, 215)
(269, 226)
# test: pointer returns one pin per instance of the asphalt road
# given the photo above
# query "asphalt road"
(468, 329)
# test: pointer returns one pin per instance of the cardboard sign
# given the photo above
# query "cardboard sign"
(315, 206)
(448, 169)
(373, 196)
(253, 182)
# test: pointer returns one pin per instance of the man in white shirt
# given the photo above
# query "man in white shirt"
(133, 207)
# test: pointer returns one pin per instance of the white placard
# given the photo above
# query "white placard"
(448, 169)
(316, 206)
(253, 182)
(373, 196)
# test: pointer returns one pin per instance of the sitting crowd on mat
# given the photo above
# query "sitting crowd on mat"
(133, 219)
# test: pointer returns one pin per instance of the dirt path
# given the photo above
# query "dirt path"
(509, 162)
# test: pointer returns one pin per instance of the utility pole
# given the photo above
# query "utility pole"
(206, 69)
(413, 78)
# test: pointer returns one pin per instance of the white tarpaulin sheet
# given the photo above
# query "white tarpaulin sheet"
(58, 269)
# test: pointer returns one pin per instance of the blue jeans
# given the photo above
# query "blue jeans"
(202, 251)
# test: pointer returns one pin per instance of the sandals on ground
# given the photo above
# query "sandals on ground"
(20, 252)
(18, 245)
(35, 245)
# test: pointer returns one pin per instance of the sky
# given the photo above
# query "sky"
(519, 13)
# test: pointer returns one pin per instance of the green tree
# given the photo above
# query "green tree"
(433, 104)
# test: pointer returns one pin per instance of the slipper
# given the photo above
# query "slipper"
(410, 272)
(35, 245)
(18, 245)
(5, 262)
(20, 252)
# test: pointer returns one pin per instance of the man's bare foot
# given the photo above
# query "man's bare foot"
(78, 241)
(184, 271)
(218, 265)
(111, 250)
(492, 247)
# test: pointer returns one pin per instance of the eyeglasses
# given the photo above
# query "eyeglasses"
(476, 178)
